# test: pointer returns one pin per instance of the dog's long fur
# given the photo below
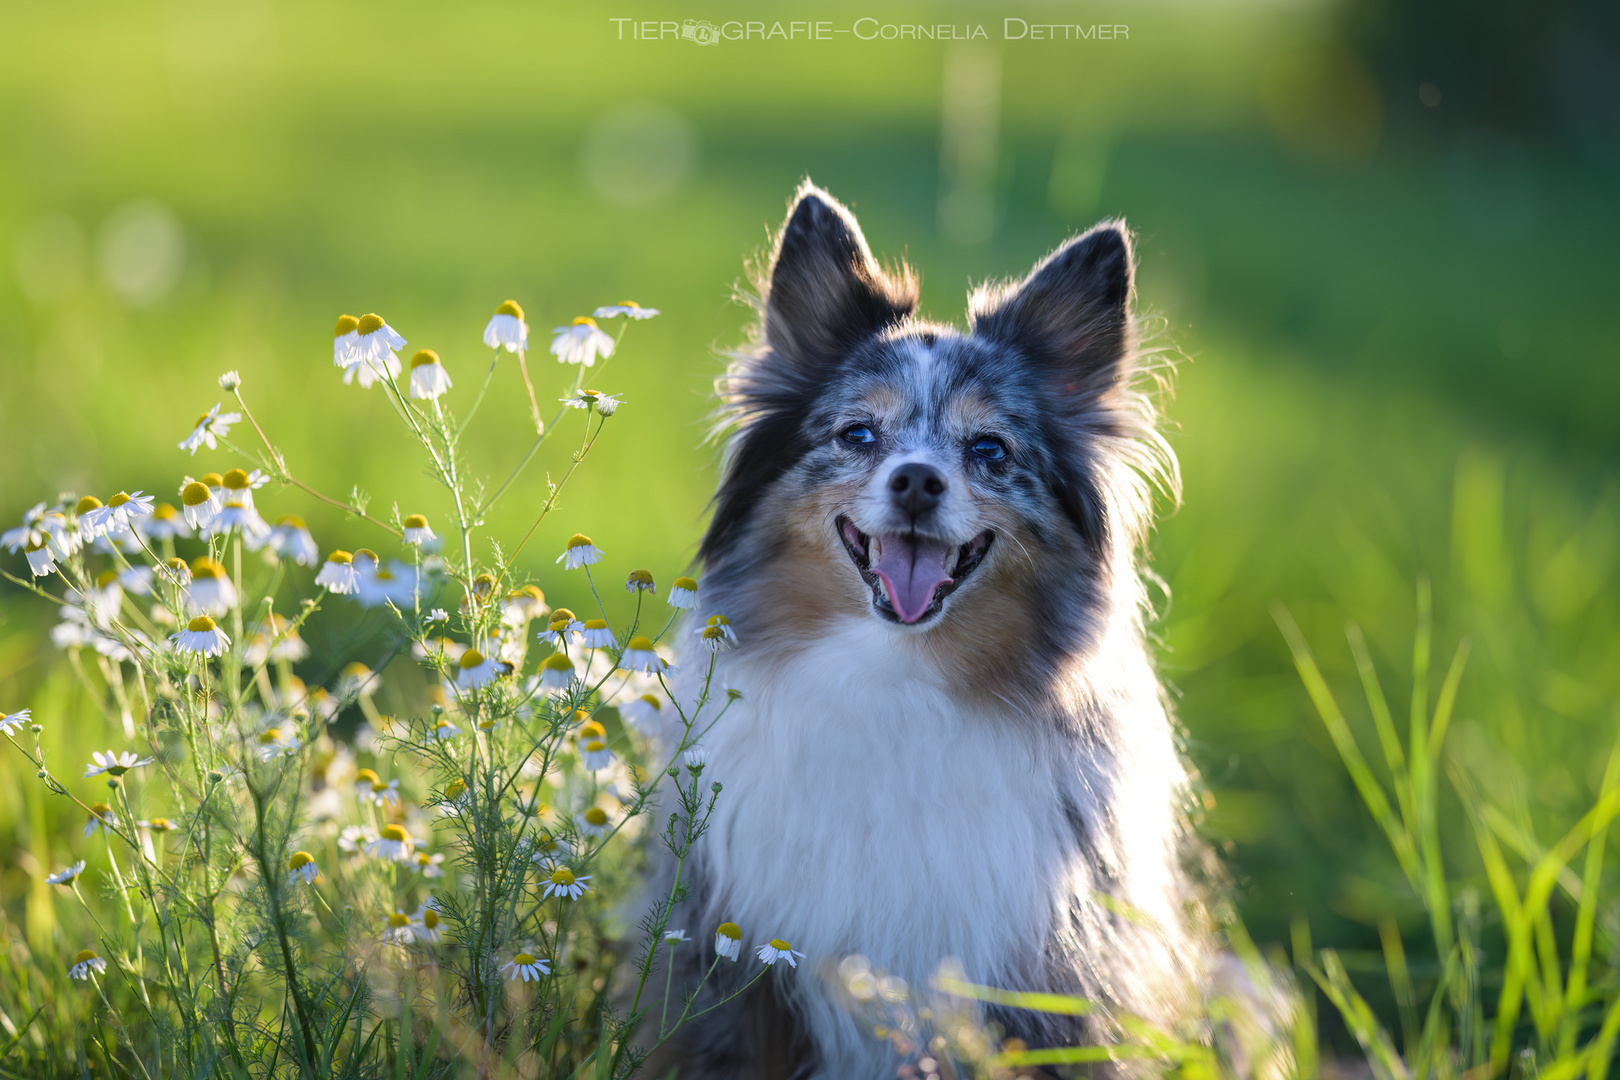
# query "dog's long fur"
(998, 781)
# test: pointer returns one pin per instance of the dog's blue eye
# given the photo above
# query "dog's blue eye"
(990, 449)
(859, 434)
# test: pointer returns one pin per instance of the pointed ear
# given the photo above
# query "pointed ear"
(1072, 314)
(826, 292)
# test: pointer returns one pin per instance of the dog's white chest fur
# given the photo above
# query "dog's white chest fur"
(864, 810)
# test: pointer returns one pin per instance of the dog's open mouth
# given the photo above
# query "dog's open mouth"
(910, 575)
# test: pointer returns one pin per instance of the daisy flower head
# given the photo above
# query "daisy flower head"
(525, 967)
(561, 625)
(673, 938)
(417, 532)
(66, 877)
(593, 822)
(277, 742)
(375, 351)
(301, 867)
(605, 404)
(683, 594)
(337, 574)
(444, 730)
(356, 679)
(430, 866)
(41, 561)
(210, 427)
(640, 581)
(629, 309)
(124, 510)
(177, 572)
(354, 838)
(397, 928)
(101, 819)
(396, 584)
(722, 625)
(580, 552)
(644, 713)
(425, 921)
(114, 764)
(638, 655)
(728, 940)
(200, 504)
(165, 523)
(437, 615)
(556, 672)
(393, 843)
(86, 962)
(714, 639)
(777, 949)
(597, 635)
(346, 341)
(291, 539)
(523, 605)
(159, 825)
(507, 328)
(474, 670)
(92, 515)
(563, 883)
(210, 591)
(580, 342)
(12, 723)
(429, 380)
(593, 749)
(33, 518)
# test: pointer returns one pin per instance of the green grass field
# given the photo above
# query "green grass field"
(1395, 363)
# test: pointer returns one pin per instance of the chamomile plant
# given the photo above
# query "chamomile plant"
(264, 888)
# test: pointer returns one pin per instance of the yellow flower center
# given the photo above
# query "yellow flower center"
(578, 540)
(300, 858)
(236, 480)
(510, 307)
(424, 356)
(561, 615)
(641, 577)
(523, 959)
(455, 789)
(269, 737)
(378, 787)
(558, 662)
(365, 776)
(87, 504)
(345, 324)
(212, 479)
(201, 420)
(202, 566)
(729, 930)
(585, 320)
(590, 729)
(471, 658)
(161, 824)
(355, 670)
(164, 512)
(83, 955)
(369, 324)
(443, 723)
(118, 500)
(385, 575)
(430, 918)
(685, 583)
(780, 945)
(713, 633)
(341, 557)
(100, 809)
(202, 624)
(651, 700)
(562, 876)
(395, 833)
(106, 578)
(416, 521)
(719, 620)
(596, 624)
(399, 918)
(628, 304)
(366, 553)
(639, 644)
(596, 817)
(291, 521)
(595, 746)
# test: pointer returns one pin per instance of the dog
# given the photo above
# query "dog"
(950, 741)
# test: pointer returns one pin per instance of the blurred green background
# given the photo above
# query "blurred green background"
(1379, 238)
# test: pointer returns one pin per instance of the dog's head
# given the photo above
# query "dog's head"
(925, 476)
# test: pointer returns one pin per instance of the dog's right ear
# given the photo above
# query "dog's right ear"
(826, 293)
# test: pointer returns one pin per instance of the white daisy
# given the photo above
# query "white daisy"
(593, 822)
(12, 723)
(201, 635)
(561, 627)
(683, 594)
(277, 742)
(526, 968)
(230, 382)
(291, 539)
(437, 615)
(345, 341)
(165, 523)
(581, 342)
(556, 672)
(672, 938)
(65, 877)
(86, 962)
(177, 572)
(393, 843)
(354, 838)
(593, 748)
(337, 574)
(124, 510)
(638, 655)
(14, 539)
(474, 669)
(375, 351)
(507, 328)
(301, 867)
(237, 512)
(429, 380)
(629, 309)
(597, 635)
(93, 517)
(777, 949)
(40, 559)
(417, 531)
(444, 730)
(210, 426)
(643, 713)
(114, 764)
(430, 866)
(728, 940)
(722, 627)
(158, 825)
(523, 605)
(200, 504)
(395, 584)
(580, 552)
(425, 922)
(210, 591)
(398, 928)
(606, 404)
(563, 883)
(101, 819)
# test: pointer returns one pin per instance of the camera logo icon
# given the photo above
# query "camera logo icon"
(700, 31)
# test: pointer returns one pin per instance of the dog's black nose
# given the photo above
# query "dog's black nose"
(916, 488)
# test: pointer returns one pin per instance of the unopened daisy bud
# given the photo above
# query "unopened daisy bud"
(696, 757)
(417, 531)
(580, 552)
(683, 593)
(337, 573)
(638, 655)
(429, 380)
(580, 342)
(301, 867)
(203, 637)
(597, 635)
(728, 940)
(507, 328)
(629, 309)
(640, 581)
(345, 341)
(230, 381)
(556, 672)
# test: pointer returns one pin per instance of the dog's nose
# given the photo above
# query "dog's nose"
(916, 488)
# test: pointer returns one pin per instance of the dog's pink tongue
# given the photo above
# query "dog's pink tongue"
(911, 570)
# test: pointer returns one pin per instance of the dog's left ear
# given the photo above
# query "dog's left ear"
(1071, 314)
